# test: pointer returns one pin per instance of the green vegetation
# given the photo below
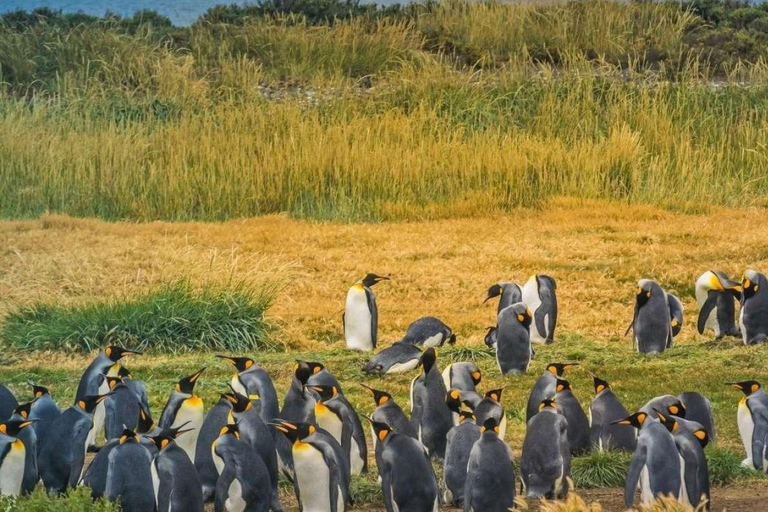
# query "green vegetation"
(171, 318)
(600, 469)
(78, 500)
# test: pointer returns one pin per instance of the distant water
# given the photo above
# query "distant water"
(181, 12)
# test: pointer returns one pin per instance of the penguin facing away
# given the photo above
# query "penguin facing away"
(464, 377)
(578, 423)
(699, 409)
(666, 403)
(13, 457)
(251, 379)
(753, 316)
(361, 315)
(185, 408)
(390, 413)
(121, 408)
(428, 332)
(545, 387)
(652, 320)
(490, 407)
(430, 417)
(243, 483)
(129, 477)
(545, 465)
(752, 419)
(716, 296)
(603, 411)
(215, 420)
(43, 412)
(490, 484)
(175, 482)
(460, 440)
(8, 402)
(539, 296)
(513, 342)
(398, 358)
(510, 293)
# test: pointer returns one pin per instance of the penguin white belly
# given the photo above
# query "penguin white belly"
(646, 494)
(533, 302)
(155, 479)
(746, 426)
(357, 320)
(447, 376)
(683, 495)
(238, 386)
(99, 414)
(217, 461)
(373, 438)
(395, 508)
(741, 325)
(330, 422)
(503, 426)
(433, 340)
(711, 323)
(312, 478)
(403, 367)
(340, 500)
(191, 413)
(235, 501)
(355, 459)
(12, 470)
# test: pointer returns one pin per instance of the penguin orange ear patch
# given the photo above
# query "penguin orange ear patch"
(248, 364)
(673, 409)
(560, 387)
(383, 400)
(455, 394)
(382, 435)
(755, 387)
(163, 443)
(641, 417)
(520, 317)
(700, 435)
(311, 429)
(108, 351)
(599, 388)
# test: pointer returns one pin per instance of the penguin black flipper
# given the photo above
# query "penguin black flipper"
(706, 309)
(547, 287)
(539, 316)
(691, 477)
(79, 437)
(633, 475)
(759, 434)
(374, 315)
(675, 314)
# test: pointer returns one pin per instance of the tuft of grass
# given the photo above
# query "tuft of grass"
(467, 353)
(725, 467)
(365, 489)
(600, 469)
(77, 500)
(174, 318)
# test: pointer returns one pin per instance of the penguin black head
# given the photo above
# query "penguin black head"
(380, 397)
(38, 391)
(466, 415)
(145, 422)
(371, 279)
(12, 428)
(295, 432)
(493, 292)
(490, 425)
(129, 436)
(747, 386)
(636, 420)
(494, 394)
(382, 430)
(547, 403)
(702, 436)
(88, 404)
(428, 359)
(115, 353)
(524, 315)
(667, 421)
(112, 382)
(326, 392)
(303, 370)
(599, 383)
(241, 364)
(164, 438)
(557, 369)
(240, 403)
(231, 429)
(562, 385)
(643, 291)
(23, 409)
(749, 283)
(490, 336)
(453, 400)
(123, 372)
(677, 409)
(187, 384)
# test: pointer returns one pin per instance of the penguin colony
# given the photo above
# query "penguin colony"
(233, 455)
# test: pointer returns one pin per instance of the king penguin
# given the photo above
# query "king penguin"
(13, 457)
(322, 480)
(430, 416)
(251, 379)
(243, 483)
(545, 465)
(43, 412)
(578, 423)
(185, 408)
(716, 296)
(62, 455)
(652, 322)
(699, 409)
(89, 382)
(545, 387)
(29, 438)
(390, 413)
(408, 481)
(428, 332)
(509, 292)
(298, 407)
(513, 341)
(539, 295)
(121, 408)
(752, 418)
(8, 402)
(490, 407)
(655, 466)
(361, 316)
(664, 403)
(175, 482)
(215, 420)
(459, 442)
(603, 411)
(753, 317)
(490, 485)
(398, 358)
(464, 377)
(129, 475)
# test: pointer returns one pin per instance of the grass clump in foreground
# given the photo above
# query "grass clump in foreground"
(171, 318)
(77, 500)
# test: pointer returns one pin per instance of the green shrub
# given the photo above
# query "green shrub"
(78, 500)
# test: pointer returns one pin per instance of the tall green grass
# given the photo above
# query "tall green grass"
(77, 500)
(172, 318)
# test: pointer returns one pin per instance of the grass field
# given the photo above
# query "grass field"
(595, 250)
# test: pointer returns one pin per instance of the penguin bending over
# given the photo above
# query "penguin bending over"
(175, 482)
(43, 412)
(490, 407)
(603, 411)
(539, 296)
(752, 418)
(490, 484)
(336, 415)
(89, 382)
(578, 423)
(215, 420)
(513, 342)
(251, 379)
(129, 476)
(460, 440)
(361, 316)
(545, 465)
(699, 409)
(664, 403)
(753, 317)
(13, 457)
(716, 295)
(390, 413)
(656, 318)
(545, 387)
(429, 331)
(27, 436)
(465, 377)
(509, 292)
(430, 416)
(243, 484)
(655, 466)
(408, 481)
(8, 402)
(398, 358)
(185, 408)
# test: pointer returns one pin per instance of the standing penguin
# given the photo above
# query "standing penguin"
(89, 382)
(664, 403)
(13, 457)
(509, 292)
(389, 412)
(430, 416)
(8, 402)
(174, 479)
(121, 408)
(513, 342)
(361, 316)
(464, 377)
(185, 408)
(655, 466)
(243, 483)
(43, 412)
(215, 420)
(408, 481)
(336, 415)
(603, 411)
(545, 465)
(545, 387)
(460, 440)
(62, 454)
(699, 409)
(398, 358)
(652, 322)
(29, 438)
(578, 423)
(753, 318)
(539, 296)
(428, 332)
(137, 386)
(129, 475)
(490, 482)
(716, 295)
(490, 407)
(251, 379)
(298, 407)
(322, 477)
(690, 441)
(752, 418)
